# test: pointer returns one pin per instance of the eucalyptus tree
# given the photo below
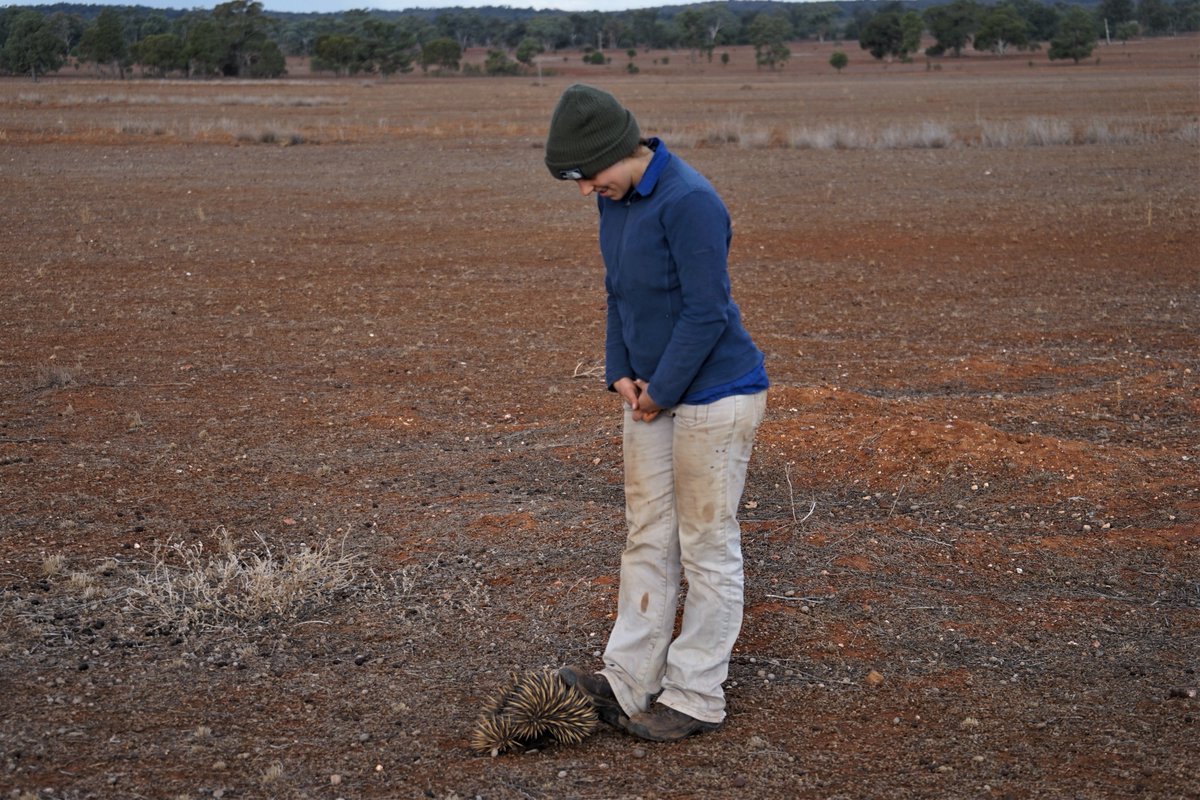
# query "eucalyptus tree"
(30, 45)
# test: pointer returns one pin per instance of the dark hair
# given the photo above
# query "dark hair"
(642, 143)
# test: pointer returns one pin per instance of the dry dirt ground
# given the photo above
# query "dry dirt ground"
(303, 448)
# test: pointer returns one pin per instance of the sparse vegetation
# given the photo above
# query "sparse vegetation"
(56, 376)
(189, 590)
(53, 565)
(734, 129)
(1043, 132)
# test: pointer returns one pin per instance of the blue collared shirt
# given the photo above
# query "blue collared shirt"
(672, 320)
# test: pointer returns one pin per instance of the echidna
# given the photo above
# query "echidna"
(494, 734)
(530, 709)
(544, 705)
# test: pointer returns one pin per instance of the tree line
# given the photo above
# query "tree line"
(1072, 31)
(238, 39)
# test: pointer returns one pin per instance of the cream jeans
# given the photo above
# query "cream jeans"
(684, 475)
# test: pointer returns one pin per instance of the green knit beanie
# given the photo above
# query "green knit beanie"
(589, 132)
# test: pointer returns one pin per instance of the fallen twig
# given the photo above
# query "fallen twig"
(812, 506)
(797, 599)
(892, 510)
(931, 540)
(590, 372)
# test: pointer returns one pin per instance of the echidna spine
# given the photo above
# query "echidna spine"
(494, 734)
(544, 705)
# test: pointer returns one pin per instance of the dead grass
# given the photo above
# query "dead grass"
(56, 376)
(53, 565)
(735, 131)
(136, 99)
(188, 590)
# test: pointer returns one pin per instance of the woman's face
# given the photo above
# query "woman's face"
(614, 182)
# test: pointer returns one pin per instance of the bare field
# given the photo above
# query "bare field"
(302, 447)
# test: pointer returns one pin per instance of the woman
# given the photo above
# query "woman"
(694, 391)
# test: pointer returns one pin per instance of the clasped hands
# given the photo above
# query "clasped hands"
(635, 394)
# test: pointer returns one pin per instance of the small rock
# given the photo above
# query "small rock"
(739, 781)
(873, 678)
(969, 722)
(1185, 692)
(562, 773)
(335, 779)
(639, 752)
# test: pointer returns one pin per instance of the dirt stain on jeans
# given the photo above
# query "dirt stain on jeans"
(645, 601)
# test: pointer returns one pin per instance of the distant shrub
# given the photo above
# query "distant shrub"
(830, 137)
(498, 63)
(1043, 132)
(925, 135)
(1101, 132)
(727, 130)
(998, 134)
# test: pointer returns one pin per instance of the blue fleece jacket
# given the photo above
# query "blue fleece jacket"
(671, 317)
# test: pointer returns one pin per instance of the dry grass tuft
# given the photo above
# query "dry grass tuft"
(190, 591)
(271, 774)
(56, 376)
(926, 135)
(829, 137)
(1189, 132)
(1045, 132)
(731, 129)
(53, 565)
(1100, 131)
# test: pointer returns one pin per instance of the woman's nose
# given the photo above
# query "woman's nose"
(586, 187)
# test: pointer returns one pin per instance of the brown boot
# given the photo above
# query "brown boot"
(595, 687)
(665, 724)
